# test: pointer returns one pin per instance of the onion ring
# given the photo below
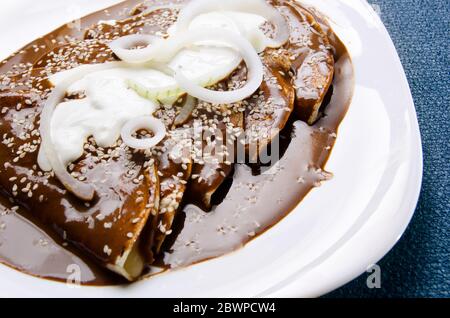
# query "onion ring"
(122, 47)
(167, 49)
(148, 123)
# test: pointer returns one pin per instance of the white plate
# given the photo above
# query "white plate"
(340, 229)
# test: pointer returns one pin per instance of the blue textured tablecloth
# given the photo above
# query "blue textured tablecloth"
(419, 265)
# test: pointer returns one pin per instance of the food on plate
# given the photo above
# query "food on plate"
(151, 137)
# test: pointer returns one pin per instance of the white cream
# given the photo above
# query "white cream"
(108, 106)
(245, 24)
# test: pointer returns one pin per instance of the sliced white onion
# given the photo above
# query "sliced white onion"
(259, 7)
(81, 190)
(148, 123)
(255, 72)
(167, 49)
(123, 47)
(186, 111)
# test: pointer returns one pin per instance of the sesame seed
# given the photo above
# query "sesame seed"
(107, 250)
(136, 220)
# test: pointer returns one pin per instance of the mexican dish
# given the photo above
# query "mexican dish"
(155, 135)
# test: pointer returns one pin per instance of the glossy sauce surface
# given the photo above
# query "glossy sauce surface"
(249, 204)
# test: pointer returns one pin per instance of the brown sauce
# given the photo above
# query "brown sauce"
(247, 203)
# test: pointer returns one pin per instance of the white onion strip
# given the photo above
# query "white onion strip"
(255, 71)
(259, 7)
(123, 47)
(186, 111)
(81, 190)
(148, 123)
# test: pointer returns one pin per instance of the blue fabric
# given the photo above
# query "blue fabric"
(419, 265)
